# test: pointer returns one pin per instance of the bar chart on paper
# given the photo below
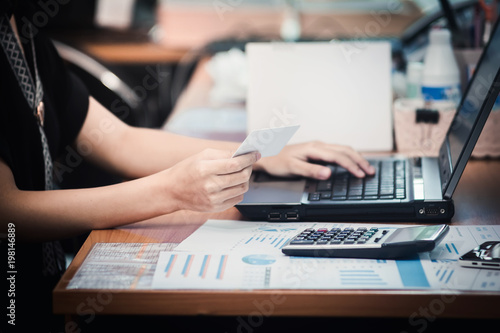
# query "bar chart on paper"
(188, 270)
(203, 266)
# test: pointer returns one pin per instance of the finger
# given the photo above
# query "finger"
(359, 159)
(232, 165)
(311, 170)
(235, 178)
(231, 193)
(327, 154)
(231, 202)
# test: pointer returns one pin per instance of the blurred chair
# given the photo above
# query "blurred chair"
(103, 84)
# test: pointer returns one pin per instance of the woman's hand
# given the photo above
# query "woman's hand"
(210, 181)
(294, 160)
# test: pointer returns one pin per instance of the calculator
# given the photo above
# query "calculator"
(365, 242)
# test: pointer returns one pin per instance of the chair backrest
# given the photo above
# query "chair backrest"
(103, 84)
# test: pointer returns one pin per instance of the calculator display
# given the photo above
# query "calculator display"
(415, 233)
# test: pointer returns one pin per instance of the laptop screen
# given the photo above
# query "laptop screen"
(475, 105)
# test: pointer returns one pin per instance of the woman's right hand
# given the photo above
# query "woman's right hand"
(210, 181)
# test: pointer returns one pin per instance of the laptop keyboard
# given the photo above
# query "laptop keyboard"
(387, 183)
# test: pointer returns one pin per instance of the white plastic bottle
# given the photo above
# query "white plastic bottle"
(441, 75)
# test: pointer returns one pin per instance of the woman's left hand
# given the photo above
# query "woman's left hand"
(295, 160)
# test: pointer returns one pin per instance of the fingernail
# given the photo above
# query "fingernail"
(258, 156)
(371, 169)
(360, 173)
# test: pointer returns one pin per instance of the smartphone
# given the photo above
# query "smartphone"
(486, 255)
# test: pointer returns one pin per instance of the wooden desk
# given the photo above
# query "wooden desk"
(476, 199)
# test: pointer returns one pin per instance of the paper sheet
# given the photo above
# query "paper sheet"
(119, 266)
(247, 255)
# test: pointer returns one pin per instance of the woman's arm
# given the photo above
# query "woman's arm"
(208, 181)
(134, 152)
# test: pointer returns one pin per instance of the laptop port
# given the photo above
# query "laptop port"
(292, 216)
(430, 211)
(274, 216)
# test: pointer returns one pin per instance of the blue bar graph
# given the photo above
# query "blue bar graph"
(412, 273)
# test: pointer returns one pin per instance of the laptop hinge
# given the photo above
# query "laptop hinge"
(445, 166)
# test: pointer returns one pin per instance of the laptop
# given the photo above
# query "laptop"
(403, 189)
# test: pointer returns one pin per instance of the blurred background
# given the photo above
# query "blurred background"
(134, 38)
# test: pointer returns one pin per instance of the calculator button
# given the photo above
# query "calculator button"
(336, 241)
(376, 240)
(349, 241)
(302, 242)
(361, 241)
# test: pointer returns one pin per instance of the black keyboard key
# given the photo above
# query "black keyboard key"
(339, 190)
(314, 196)
(386, 189)
(324, 185)
(325, 195)
(371, 190)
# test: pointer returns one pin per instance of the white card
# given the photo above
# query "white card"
(267, 141)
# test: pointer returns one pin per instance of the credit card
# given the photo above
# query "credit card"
(267, 141)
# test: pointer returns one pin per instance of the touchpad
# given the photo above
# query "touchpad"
(267, 189)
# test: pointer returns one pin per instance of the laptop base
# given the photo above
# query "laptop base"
(430, 212)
